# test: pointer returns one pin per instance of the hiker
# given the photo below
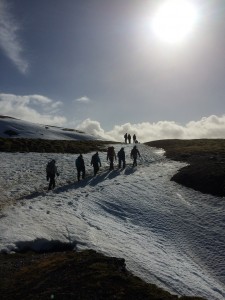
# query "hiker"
(134, 153)
(134, 139)
(111, 155)
(80, 167)
(129, 138)
(125, 137)
(121, 157)
(95, 161)
(51, 171)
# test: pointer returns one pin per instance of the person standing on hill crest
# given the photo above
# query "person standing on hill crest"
(111, 155)
(125, 137)
(51, 171)
(134, 138)
(129, 138)
(121, 157)
(95, 161)
(134, 154)
(80, 167)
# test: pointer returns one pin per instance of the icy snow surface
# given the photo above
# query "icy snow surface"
(169, 235)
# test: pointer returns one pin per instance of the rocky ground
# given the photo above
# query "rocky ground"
(206, 163)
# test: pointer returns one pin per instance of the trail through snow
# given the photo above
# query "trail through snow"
(169, 235)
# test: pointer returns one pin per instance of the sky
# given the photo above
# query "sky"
(169, 235)
(83, 64)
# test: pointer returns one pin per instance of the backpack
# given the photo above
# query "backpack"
(95, 159)
(50, 168)
(111, 151)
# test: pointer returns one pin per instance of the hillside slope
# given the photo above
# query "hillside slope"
(15, 128)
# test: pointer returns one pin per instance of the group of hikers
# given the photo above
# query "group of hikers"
(127, 137)
(52, 172)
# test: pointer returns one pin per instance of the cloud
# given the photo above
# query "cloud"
(41, 109)
(94, 128)
(26, 108)
(83, 99)
(208, 127)
(9, 39)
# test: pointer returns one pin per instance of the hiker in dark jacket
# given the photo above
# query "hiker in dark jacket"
(111, 155)
(95, 161)
(80, 167)
(129, 138)
(134, 138)
(121, 158)
(134, 154)
(51, 171)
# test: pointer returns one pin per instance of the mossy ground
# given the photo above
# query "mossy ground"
(206, 159)
(73, 275)
(51, 146)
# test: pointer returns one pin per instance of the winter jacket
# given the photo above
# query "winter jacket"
(95, 160)
(80, 162)
(134, 153)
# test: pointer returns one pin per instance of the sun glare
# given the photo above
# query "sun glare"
(174, 20)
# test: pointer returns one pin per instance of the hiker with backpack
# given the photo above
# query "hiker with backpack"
(80, 167)
(111, 155)
(51, 171)
(134, 154)
(134, 139)
(121, 158)
(95, 161)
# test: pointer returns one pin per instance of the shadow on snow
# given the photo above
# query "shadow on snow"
(89, 180)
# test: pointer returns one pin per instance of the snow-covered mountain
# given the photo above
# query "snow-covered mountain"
(15, 128)
(168, 234)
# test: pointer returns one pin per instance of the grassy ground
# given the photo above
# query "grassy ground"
(73, 275)
(50, 146)
(206, 159)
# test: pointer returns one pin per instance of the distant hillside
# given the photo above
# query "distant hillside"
(15, 128)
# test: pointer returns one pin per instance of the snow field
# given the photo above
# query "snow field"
(169, 235)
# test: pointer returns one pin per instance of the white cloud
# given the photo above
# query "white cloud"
(22, 107)
(94, 128)
(41, 109)
(83, 99)
(208, 127)
(9, 40)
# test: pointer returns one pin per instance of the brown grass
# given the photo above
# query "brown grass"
(206, 159)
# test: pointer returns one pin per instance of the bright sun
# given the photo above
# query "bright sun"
(174, 20)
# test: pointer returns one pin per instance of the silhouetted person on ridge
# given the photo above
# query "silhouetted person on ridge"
(134, 138)
(125, 137)
(129, 138)
(80, 167)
